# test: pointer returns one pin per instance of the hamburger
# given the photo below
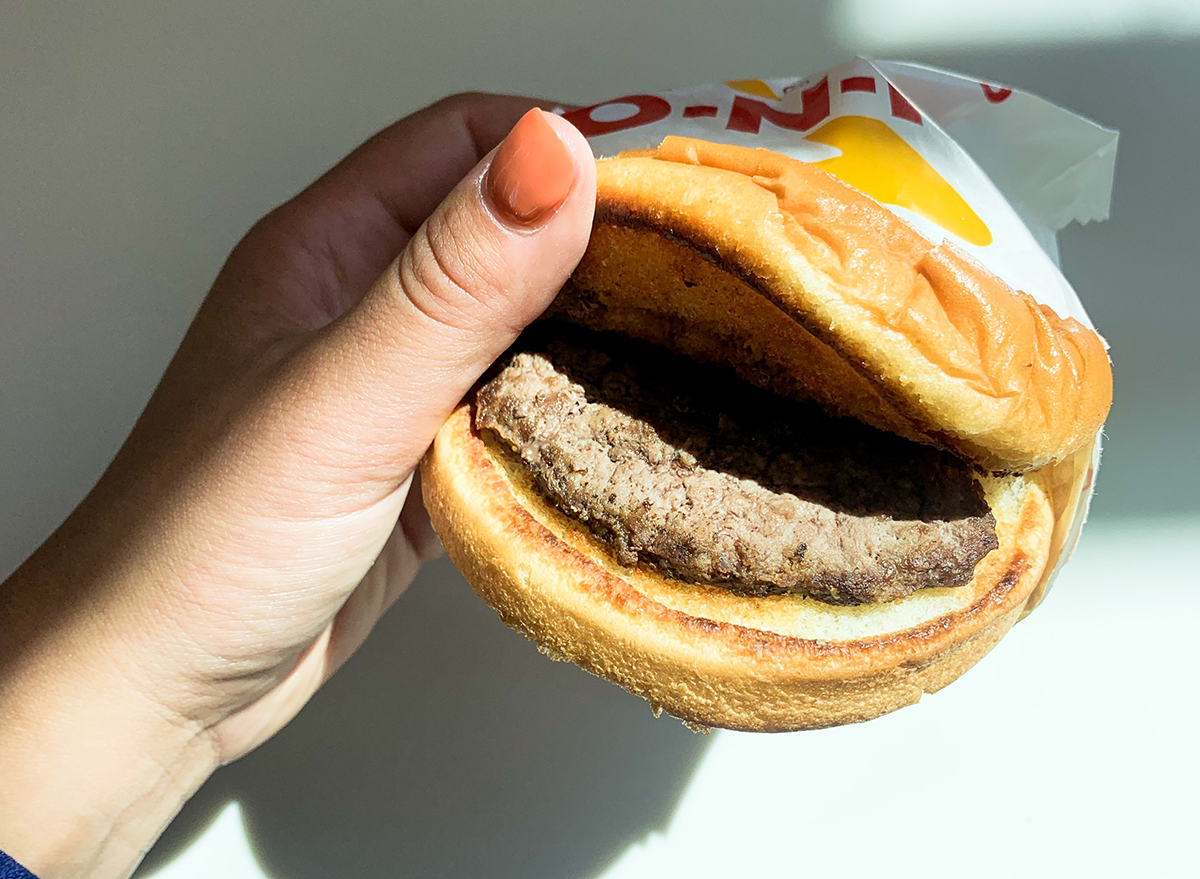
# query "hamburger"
(772, 460)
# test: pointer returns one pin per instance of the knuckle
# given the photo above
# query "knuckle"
(443, 274)
(464, 100)
(274, 232)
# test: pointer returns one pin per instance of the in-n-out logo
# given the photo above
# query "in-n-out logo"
(647, 109)
(748, 110)
(746, 113)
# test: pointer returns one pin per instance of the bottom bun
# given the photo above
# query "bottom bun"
(702, 653)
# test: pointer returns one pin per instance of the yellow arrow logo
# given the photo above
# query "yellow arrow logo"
(755, 87)
(879, 162)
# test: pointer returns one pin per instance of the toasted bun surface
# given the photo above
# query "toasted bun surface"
(809, 287)
(702, 653)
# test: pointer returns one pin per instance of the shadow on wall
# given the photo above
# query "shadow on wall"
(449, 747)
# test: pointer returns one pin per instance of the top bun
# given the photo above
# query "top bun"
(808, 287)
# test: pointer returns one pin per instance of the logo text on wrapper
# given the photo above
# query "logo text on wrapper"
(746, 114)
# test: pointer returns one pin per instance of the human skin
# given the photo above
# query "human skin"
(261, 516)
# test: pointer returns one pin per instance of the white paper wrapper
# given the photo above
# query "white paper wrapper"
(992, 170)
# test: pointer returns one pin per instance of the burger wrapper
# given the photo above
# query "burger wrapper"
(992, 170)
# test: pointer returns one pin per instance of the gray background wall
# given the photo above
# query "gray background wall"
(139, 140)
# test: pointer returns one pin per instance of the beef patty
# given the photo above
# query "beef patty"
(689, 470)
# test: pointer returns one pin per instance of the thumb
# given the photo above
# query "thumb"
(376, 385)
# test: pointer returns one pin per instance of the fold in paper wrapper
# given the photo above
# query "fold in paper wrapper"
(994, 171)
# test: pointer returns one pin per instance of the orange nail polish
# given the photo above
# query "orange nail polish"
(532, 172)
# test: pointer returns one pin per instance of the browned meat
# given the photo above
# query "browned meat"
(691, 471)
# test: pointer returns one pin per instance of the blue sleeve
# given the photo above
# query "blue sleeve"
(10, 869)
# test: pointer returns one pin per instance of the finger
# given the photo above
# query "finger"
(415, 524)
(366, 397)
(412, 543)
(410, 167)
(391, 573)
(308, 261)
(334, 239)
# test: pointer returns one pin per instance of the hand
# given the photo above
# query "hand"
(261, 516)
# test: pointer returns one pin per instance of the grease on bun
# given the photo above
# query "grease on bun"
(806, 287)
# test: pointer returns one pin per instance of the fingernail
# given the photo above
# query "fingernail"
(532, 172)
